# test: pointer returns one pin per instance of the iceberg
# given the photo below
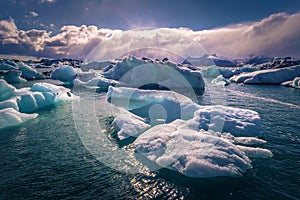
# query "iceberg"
(94, 65)
(28, 72)
(168, 104)
(64, 73)
(220, 81)
(131, 71)
(10, 117)
(155, 105)
(93, 79)
(294, 83)
(11, 76)
(206, 141)
(211, 71)
(195, 153)
(18, 72)
(31, 99)
(129, 125)
(268, 76)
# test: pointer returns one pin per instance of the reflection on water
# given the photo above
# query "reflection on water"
(47, 158)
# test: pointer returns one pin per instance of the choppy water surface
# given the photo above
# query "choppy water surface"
(46, 158)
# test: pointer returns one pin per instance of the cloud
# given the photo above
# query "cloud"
(72, 41)
(46, 1)
(276, 35)
(33, 14)
(8, 32)
(75, 41)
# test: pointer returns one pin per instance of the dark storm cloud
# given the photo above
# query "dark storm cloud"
(276, 35)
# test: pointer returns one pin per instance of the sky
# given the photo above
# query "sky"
(68, 28)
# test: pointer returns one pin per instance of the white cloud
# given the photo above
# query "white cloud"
(33, 14)
(277, 35)
(46, 1)
(8, 32)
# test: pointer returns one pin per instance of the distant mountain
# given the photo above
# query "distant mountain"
(213, 59)
(221, 61)
(257, 60)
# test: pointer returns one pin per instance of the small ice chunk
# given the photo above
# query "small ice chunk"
(129, 125)
(221, 81)
(10, 117)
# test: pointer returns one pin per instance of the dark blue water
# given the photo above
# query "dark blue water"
(46, 159)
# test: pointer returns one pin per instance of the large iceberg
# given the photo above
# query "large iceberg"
(10, 117)
(28, 100)
(269, 76)
(195, 153)
(15, 103)
(134, 72)
(168, 106)
(205, 141)
(42, 95)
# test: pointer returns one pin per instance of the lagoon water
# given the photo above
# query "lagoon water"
(47, 158)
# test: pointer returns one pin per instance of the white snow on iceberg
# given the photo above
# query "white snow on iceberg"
(238, 122)
(195, 153)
